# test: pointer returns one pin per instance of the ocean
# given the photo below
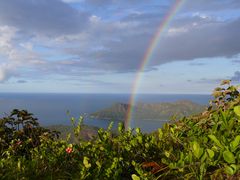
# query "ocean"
(51, 109)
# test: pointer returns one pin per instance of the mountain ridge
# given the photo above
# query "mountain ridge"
(153, 111)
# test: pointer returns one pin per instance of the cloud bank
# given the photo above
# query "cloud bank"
(57, 37)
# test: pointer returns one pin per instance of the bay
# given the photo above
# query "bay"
(52, 109)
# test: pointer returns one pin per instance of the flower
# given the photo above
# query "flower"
(18, 143)
(69, 150)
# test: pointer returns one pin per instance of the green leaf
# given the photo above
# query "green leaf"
(234, 167)
(160, 133)
(210, 153)
(229, 170)
(98, 164)
(234, 144)
(204, 157)
(197, 151)
(85, 162)
(237, 110)
(138, 130)
(214, 139)
(228, 157)
(167, 154)
(135, 177)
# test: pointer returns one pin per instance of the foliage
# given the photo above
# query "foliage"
(20, 132)
(204, 146)
(86, 133)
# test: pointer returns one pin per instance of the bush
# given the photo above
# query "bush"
(21, 132)
(204, 146)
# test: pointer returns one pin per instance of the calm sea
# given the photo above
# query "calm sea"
(52, 108)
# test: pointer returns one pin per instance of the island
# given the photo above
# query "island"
(149, 111)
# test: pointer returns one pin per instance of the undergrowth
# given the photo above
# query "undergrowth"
(203, 146)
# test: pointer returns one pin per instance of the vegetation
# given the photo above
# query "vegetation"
(153, 111)
(86, 133)
(204, 146)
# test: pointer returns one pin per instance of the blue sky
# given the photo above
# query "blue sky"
(96, 46)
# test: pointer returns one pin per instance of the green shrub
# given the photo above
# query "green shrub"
(203, 146)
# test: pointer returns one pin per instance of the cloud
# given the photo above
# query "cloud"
(122, 44)
(213, 5)
(236, 77)
(48, 17)
(236, 61)
(21, 81)
(209, 39)
(5, 73)
(3, 76)
(72, 1)
(110, 2)
(67, 41)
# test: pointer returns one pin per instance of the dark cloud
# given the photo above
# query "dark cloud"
(236, 61)
(215, 39)
(197, 64)
(192, 39)
(117, 45)
(236, 77)
(21, 81)
(51, 17)
(213, 5)
(110, 2)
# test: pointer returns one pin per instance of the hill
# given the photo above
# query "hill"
(153, 111)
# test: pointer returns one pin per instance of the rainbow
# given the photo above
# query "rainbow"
(147, 57)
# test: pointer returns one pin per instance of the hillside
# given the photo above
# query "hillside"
(153, 111)
(86, 133)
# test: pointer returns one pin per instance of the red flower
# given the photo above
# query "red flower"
(18, 143)
(69, 150)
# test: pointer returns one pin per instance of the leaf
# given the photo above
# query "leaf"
(234, 144)
(138, 130)
(237, 110)
(204, 157)
(85, 162)
(197, 151)
(234, 167)
(217, 94)
(210, 153)
(98, 164)
(167, 154)
(214, 139)
(228, 157)
(160, 133)
(229, 170)
(135, 177)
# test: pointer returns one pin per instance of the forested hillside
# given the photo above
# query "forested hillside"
(153, 111)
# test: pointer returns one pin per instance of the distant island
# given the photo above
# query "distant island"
(150, 111)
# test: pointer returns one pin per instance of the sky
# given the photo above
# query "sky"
(97, 46)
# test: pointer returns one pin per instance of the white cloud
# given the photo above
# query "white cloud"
(7, 34)
(65, 41)
(5, 72)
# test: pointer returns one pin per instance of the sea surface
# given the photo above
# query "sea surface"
(52, 109)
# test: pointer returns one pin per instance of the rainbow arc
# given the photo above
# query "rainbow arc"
(148, 56)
